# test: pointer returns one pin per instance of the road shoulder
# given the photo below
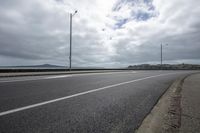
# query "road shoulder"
(190, 103)
(165, 117)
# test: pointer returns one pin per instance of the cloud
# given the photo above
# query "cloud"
(114, 33)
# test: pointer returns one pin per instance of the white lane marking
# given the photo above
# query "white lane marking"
(76, 95)
(35, 78)
(60, 76)
(104, 73)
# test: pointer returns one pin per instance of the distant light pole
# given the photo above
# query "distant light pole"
(161, 54)
(70, 40)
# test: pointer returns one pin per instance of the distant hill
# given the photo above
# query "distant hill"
(43, 65)
(32, 66)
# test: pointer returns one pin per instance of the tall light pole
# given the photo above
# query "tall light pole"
(161, 54)
(70, 40)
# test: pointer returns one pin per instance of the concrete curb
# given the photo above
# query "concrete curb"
(3, 75)
(165, 117)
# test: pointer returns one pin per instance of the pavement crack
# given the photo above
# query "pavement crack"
(189, 116)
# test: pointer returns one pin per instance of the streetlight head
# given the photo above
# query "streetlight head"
(74, 13)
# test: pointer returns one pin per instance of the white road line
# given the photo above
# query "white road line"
(76, 95)
(90, 74)
(60, 76)
(35, 78)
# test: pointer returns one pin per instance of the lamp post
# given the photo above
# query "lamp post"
(161, 54)
(70, 40)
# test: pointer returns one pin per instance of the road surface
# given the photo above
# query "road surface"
(81, 103)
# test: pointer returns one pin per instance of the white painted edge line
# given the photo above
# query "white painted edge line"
(61, 76)
(75, 95)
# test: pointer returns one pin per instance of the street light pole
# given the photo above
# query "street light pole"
(161, 55)
(70, 41)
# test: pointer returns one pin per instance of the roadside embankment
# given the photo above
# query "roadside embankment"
(177, 110)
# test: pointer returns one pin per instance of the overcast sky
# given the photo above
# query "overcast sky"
(106, 33)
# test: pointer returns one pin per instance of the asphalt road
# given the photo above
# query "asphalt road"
(81, 103)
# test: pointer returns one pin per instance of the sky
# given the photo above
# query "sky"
(106, 33)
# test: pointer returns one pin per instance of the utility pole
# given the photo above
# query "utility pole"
(70, 41)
